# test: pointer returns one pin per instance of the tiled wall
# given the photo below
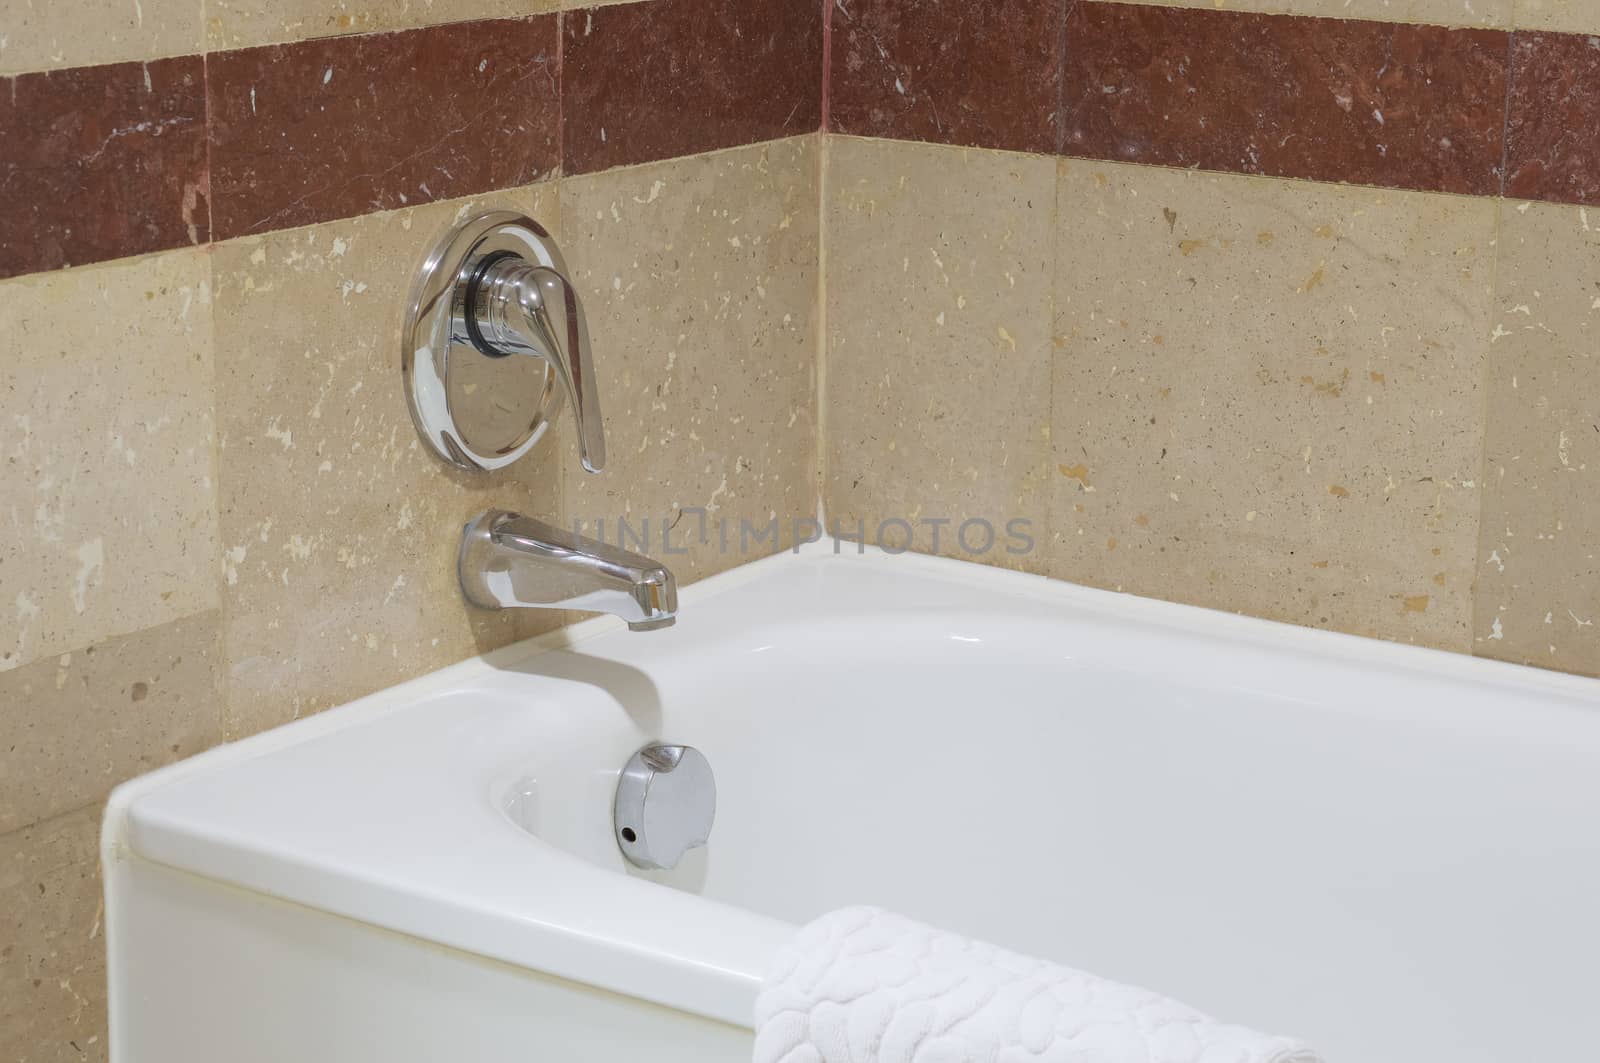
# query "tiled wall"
(1231, 305)
(218, 515)
(1257, 395)
(1343, 379)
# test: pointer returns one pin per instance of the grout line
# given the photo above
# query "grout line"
(385, 31)
(1067, 9)
(211, 197)
(43, 821)
(1176, 168)
(224, 683)
(223, 678)
(561, 94)
(821, 424)
(827, 61)
(1048, 491)
(223, 612)
(1486, 406)
(1283, 11)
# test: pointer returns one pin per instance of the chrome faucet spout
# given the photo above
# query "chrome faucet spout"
(509, 561)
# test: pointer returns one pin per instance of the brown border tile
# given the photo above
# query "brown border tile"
(308, 132)
(1553, 118)
(655, 80)
(101, 162)
(1402, 106)
(983, 73)
(109, 162)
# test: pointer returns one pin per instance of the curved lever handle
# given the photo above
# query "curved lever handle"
(514, 307)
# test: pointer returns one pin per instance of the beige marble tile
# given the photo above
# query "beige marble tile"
(1435, 12)
(1538, 558)
(1560, 16)
(78, 724)
(52, 942)
(42, 35)
(107, 510)
(339, 528)
(247, 23)
(1268, 396)
(937, 372)
(699, 276)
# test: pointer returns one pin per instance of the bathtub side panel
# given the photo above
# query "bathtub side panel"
(202, 971)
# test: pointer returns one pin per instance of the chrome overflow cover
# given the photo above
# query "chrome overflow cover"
(666, 802)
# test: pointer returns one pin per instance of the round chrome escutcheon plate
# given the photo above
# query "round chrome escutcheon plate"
(476, 411)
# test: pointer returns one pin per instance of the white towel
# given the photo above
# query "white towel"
(862, 985)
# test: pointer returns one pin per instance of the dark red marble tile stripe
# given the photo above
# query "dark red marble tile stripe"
(662, 78)
(307, 132)
(1375, 103)
(106, 162)
(101, 162)
(983, 73)
(1553, 119)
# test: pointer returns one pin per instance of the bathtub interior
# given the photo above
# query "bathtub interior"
(1360, 854)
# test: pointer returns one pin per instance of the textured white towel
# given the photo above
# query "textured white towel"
(862, 985)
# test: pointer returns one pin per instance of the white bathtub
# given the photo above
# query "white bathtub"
(1390, 852)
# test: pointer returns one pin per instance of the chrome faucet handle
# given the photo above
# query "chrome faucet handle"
(516, 307)
(496, 285)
